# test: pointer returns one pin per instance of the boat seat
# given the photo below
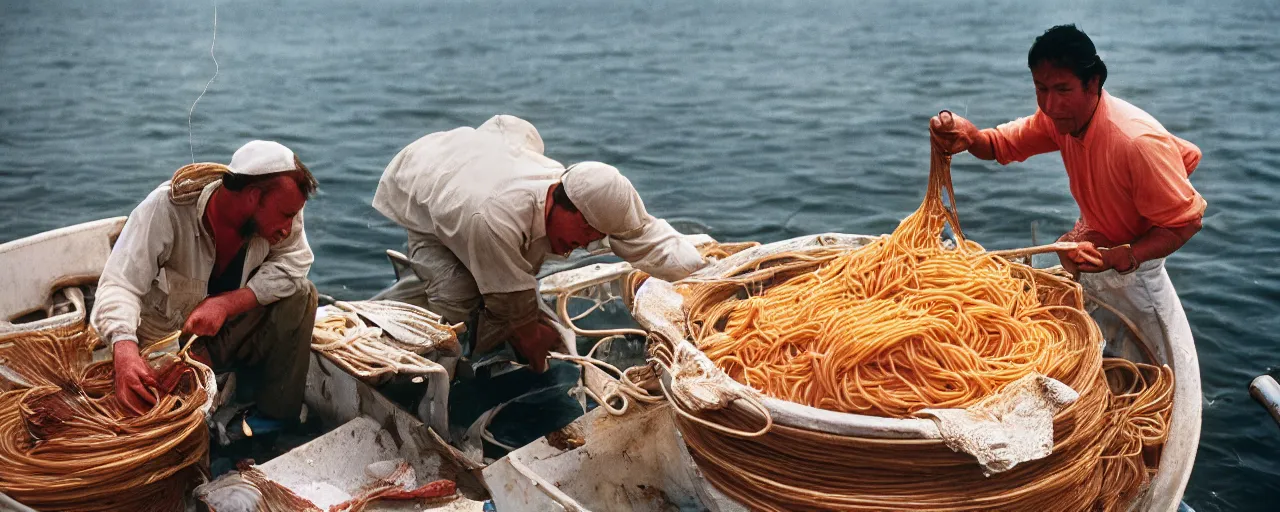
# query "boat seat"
(400, 264)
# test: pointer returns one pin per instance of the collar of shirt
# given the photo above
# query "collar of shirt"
(201, 205)
(553, 170)
(540, 214)
(1096, 121)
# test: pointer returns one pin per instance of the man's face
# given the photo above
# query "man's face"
(277, 207)
(568, 230)
(1063, 98)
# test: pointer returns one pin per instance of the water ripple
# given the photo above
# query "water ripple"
(760, 120)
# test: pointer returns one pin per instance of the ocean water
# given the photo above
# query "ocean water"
(757, 120)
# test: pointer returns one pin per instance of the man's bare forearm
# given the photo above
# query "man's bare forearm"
(981, 146)
(238, 301)
(1160, 242)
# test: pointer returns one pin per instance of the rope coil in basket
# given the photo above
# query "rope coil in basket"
(888, 329)
(67, 444)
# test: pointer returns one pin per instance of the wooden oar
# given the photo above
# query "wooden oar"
(1009, 254)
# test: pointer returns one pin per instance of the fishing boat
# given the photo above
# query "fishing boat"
(664, 475)
(627, 455)
(49, 280)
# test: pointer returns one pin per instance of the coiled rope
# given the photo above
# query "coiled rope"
(894, 327)
(365, 351)
(67, 444)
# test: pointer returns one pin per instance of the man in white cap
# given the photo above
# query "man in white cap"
(483, 208)
(219, 252)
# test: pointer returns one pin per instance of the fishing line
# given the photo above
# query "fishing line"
(216, 68)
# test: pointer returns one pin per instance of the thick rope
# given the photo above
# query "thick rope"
(620, 388)
(343, 338)
(190, 180)
(66, 443)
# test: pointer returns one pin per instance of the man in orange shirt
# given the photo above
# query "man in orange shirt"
(1128, 175)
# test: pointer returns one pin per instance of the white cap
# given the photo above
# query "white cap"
(261, 157)
(605, 197)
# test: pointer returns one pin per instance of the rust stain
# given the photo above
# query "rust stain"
(567, 438)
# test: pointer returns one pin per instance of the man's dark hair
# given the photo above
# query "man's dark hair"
(300, 175)
(1066, 46)
(561, 198)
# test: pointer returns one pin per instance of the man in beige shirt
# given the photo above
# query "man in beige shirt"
(484, 208)
(221, 254)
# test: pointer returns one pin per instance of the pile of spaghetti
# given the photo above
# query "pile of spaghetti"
(906, 323)
(66, 443)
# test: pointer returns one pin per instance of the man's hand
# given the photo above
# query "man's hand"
(1068, 264)
(207, 318)
(534, 340)
(1086, 257)
(132, 378)
(952, 134)
(1089, 258)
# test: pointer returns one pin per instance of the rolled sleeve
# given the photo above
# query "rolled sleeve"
(1020, 139)
(135, 261)
(659, 250)
(1190, 155)
(284, 271)
(1162, 193)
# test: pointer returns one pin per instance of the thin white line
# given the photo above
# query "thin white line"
(216, 69)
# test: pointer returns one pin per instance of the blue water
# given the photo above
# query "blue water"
(761, 120)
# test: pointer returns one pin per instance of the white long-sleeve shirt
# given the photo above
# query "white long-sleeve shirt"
(483, 193)
(159, 268)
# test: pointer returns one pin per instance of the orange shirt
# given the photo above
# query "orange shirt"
(1128, 174)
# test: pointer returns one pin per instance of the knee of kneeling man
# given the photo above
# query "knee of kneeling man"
(302, 300)
(458, 293)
